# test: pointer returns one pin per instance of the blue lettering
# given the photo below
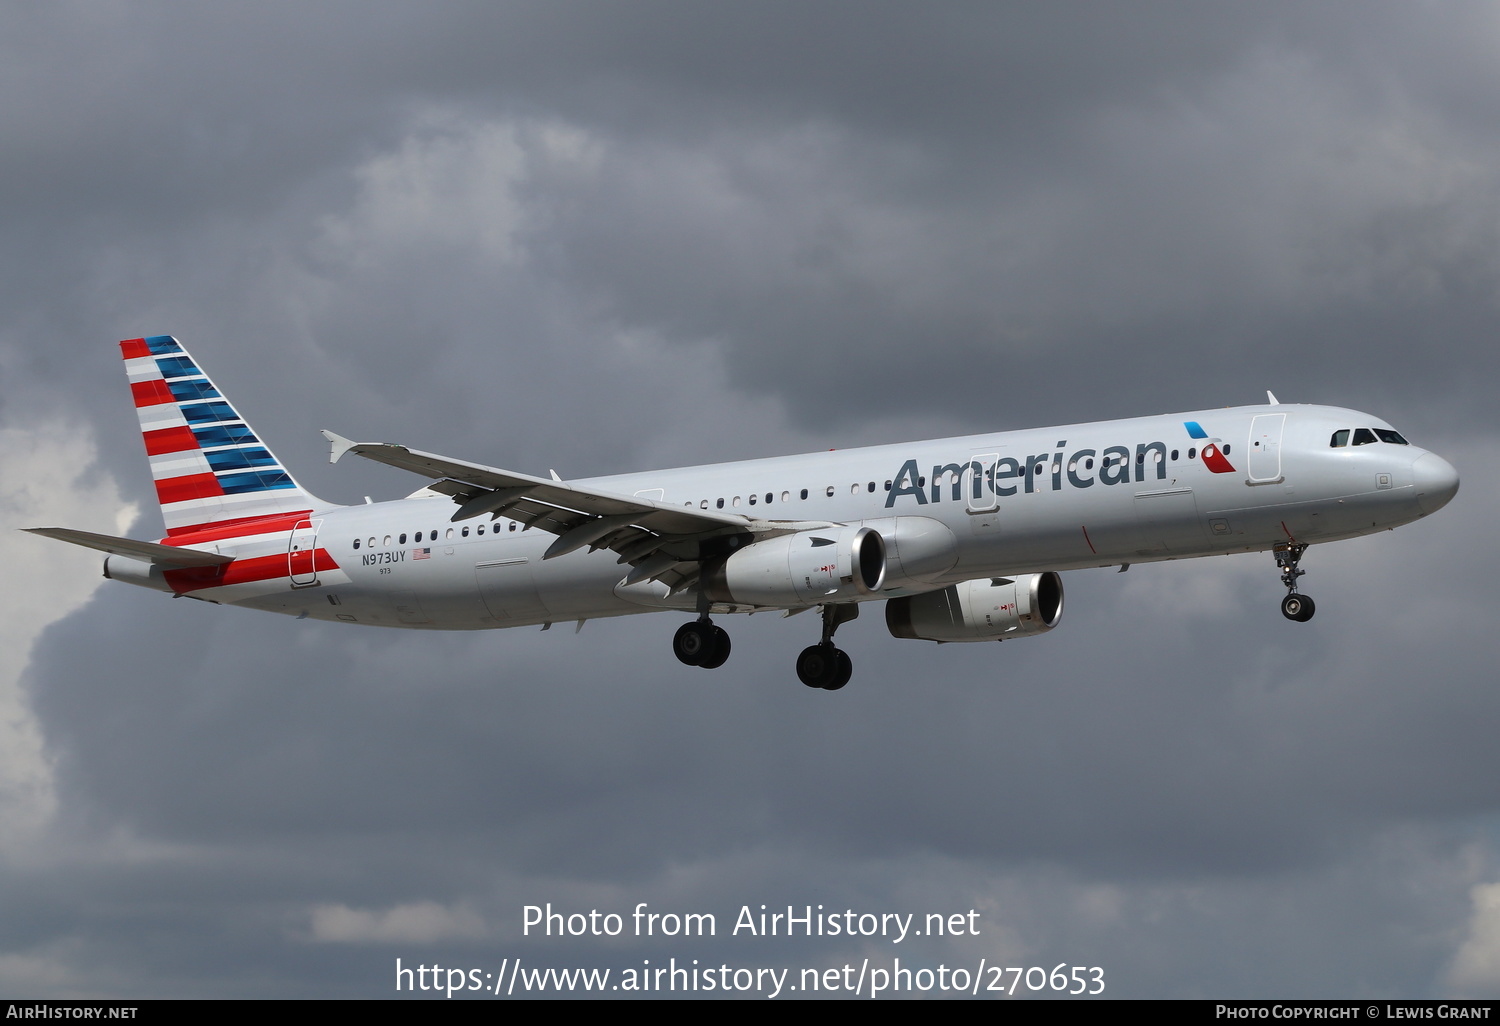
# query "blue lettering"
(1074, 462)
(906, 483)
(1034, 465)
(1140, 460)
(1116, 466)
(1006, 467)
(937, 481)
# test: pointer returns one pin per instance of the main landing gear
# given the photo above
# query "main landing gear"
(1296, 606)
(822, 665)
(701, 642)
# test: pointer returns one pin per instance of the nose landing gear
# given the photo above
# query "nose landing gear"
(1295, 606)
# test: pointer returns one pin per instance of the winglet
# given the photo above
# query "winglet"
(338, 445)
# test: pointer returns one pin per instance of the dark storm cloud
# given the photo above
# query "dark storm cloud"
(604, 237)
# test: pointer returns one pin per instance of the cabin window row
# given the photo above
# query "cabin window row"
(450, 534)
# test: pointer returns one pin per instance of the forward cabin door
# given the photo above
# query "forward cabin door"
(1264, 453)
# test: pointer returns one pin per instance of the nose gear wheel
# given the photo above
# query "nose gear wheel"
(1295, 606)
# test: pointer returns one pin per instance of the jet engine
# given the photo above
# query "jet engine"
(988, 609)
(840, 564)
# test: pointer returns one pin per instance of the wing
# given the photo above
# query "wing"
(147, 552)
(660, 541)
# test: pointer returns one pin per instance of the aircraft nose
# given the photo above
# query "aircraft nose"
(1435, 481)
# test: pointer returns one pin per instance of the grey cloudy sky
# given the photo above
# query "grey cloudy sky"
(614, 236)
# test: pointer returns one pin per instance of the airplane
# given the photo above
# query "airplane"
(962, 538)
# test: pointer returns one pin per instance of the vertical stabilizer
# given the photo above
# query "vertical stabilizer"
(210, 469)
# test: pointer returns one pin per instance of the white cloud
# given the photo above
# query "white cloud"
(47, 478)
(1476, 967)
(451, 184)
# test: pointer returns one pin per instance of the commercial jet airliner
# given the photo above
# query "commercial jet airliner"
(961, 538)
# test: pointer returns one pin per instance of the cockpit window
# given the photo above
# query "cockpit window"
(1339, 439)
(1363, 436)
(1387, 435)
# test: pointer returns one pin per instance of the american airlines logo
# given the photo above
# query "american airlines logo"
(1046, 471)
(1212, 457)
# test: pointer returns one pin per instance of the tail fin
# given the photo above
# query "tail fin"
(210, 468)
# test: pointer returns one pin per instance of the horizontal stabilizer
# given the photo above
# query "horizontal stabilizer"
(146, 552)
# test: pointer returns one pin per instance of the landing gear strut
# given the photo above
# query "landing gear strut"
(822, 665)
(1295, 606)
(701, 642)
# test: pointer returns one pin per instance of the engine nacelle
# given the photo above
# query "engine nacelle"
(840, 564)
(918, 550)
(988, 609)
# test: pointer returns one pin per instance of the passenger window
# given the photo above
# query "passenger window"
(356, 543)
(872, 488)
(434, 536)
(804, 493)
(1226, 450)
(720, 504)
(387, 542)
(830, 491)
(768, 497)
(752, 500)
(1363, 436)
(1340, 439)
(787, 496)
(478, 530)
(449, 535)
(465, 532)
(402, 540)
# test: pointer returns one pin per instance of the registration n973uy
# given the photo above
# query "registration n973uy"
(961, 538)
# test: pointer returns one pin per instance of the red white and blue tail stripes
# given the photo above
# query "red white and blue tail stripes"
(209, 467)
